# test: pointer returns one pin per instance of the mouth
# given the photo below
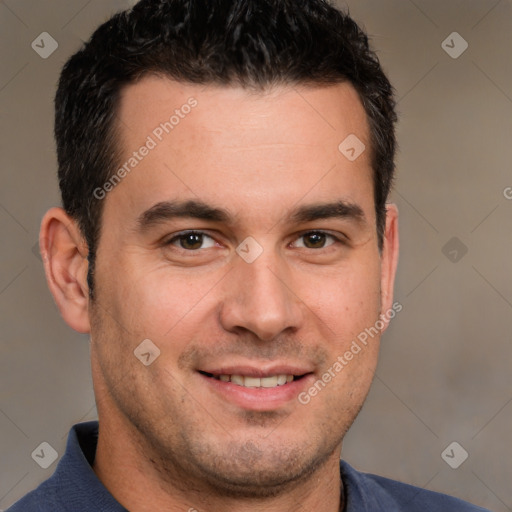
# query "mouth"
(249, 381)
(258, 386)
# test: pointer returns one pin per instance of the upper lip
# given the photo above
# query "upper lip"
(258, 371)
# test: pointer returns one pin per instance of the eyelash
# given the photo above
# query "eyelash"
(183, 234)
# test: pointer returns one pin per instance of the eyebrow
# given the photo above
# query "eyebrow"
(337, 209)
(167, 210)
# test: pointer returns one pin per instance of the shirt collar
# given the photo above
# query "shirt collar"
(75, 472)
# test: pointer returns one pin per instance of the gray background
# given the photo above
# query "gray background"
(445, 369)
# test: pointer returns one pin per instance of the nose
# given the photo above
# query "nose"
(260, 298)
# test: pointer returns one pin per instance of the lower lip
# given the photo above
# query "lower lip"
(258, 399)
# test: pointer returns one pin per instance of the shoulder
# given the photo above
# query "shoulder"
(64, 488)
(371, 493)
(43, 499)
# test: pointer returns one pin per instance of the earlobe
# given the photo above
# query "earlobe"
(389, 261)
(64, 254)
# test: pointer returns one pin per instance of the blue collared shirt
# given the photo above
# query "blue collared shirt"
(74, 487)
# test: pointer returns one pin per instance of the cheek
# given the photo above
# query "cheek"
(162, 301)
(347, 299)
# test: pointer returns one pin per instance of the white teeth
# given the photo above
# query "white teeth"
(252, 382)
(269, 382)
(281, 379)
(237, 379)
(257, 382)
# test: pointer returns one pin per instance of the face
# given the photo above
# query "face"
(243, 245)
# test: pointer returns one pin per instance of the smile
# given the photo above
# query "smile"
(271, 381)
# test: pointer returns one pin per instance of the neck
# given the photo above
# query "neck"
(137, 481)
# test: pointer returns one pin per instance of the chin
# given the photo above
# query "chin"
(258, 470)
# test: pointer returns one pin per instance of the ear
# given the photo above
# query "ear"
(389, 260)
(64, 253)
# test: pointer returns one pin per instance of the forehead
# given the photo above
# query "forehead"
(325, 111)
(260, 148)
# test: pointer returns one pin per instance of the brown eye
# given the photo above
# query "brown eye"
(314, 240)
(192, 241)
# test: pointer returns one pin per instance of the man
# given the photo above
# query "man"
(225, 240)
